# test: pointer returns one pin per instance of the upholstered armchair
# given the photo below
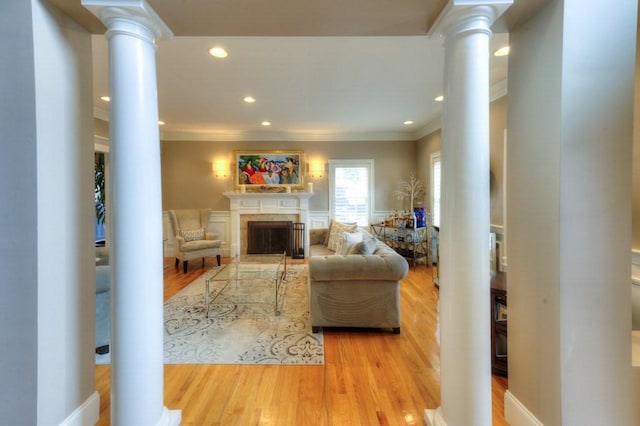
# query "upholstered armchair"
(192, 238)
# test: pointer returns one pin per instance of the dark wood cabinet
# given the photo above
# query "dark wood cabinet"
(499, 354)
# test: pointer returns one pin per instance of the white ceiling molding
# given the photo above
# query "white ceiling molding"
(101, 114)
(498, 90)
(100, 144)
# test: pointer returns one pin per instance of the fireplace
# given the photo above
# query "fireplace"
(269, 237)
(256, 206)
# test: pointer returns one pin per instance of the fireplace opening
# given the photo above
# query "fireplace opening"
(270, 237)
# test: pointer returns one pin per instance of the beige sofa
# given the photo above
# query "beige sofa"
(354, 290)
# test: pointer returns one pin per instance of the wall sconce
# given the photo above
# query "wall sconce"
(316, 169)
(220, 170)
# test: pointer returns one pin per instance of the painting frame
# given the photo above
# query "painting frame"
(268, 170)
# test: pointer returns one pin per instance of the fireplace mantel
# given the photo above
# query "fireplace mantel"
(268, 203)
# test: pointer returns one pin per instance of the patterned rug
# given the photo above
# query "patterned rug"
(242, 334)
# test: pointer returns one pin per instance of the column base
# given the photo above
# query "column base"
(516, 413)
(434, 417)
(170, 417)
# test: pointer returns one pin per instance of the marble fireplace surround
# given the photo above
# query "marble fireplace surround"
(265, 206)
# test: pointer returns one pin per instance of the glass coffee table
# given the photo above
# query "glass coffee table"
(249, 279)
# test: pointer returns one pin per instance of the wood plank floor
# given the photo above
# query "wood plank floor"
(370, 377)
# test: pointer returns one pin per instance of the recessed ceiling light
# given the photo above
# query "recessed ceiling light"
(503, 51)
(218, 52)
(249, 99)
(266, 123)
(160, 122)
(408, 122)
(105, 98)
(439, 98)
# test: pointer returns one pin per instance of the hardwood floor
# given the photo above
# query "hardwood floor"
(370, 377)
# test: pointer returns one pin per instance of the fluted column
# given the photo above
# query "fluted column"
(465, 365)
(136, 258)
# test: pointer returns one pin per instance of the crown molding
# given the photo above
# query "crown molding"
(434, 124)
(101, 113)
(100, 143)
(498, 90)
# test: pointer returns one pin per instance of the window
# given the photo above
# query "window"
(351, 183)
(435, 188)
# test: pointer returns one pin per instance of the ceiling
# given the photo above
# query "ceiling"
(319, 70)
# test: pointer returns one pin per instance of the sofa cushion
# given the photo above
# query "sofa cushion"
(320, 250)
(366, 246)
(192, 234)
(335, 233)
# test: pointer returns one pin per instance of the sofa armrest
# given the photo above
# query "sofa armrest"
(211, 236)
(317, 236)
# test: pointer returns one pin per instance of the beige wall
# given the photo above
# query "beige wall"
(100, 128)
(569, 185)
(636, 153)
(424, 148)
(432, 142)
(497, 126)
(46, 218)
(187, 180)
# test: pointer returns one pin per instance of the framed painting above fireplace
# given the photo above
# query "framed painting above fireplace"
(269, 170)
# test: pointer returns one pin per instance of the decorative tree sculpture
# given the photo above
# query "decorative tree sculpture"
(412, 189)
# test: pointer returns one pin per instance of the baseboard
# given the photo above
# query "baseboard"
(170, 417)
(86, 414)
(434, 417)
(516, 414)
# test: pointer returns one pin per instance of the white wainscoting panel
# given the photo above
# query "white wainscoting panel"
(220, 223)
(319, 219)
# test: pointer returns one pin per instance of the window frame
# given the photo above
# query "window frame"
(369, 165)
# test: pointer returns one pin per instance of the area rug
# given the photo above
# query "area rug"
(240, 334)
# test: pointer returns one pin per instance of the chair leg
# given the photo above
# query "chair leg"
(218, 259)
(203, 262)
(177, 262)
(184, 266)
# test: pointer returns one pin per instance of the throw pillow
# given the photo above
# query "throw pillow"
(348, 239)
(192, 234)
(335, 234)
(365, 247)
(326, 237)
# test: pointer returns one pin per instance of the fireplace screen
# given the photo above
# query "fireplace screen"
(269, 237)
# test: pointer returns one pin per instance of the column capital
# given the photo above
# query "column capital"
(110, 12)
(461, 16)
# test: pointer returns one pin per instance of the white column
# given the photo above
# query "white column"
(465, 356)
(137, 377)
